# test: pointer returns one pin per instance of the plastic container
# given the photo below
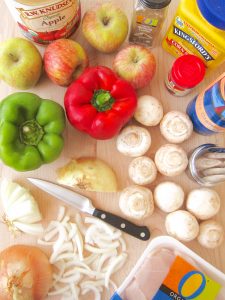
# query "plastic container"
(187, 72)
(198, 28)
(147, 21)
(44, 21)
(207, 110)
(172, 244)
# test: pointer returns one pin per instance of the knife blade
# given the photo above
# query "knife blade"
(84, 204)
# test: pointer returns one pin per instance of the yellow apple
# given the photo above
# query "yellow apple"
(20, 63)
(105, 27)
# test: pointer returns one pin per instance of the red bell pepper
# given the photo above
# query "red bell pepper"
(100, 103)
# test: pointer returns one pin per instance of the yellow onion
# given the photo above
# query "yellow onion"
(25, 273)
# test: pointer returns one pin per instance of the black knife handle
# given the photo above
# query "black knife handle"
(140, 232)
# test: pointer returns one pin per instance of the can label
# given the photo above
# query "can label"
(210, 106)
(183, 38)
(48, 21)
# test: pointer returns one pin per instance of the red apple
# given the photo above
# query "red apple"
(136, 64)
(64, 61)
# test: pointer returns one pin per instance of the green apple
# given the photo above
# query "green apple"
(105, 27)
(20, 63)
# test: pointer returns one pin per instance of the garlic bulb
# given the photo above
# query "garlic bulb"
(171, 160)
(142, 170)
(133, 141)
(176, 127)
(136, 202)
(21, 211)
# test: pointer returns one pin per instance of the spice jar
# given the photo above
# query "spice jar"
(147, 21)
(207, 164)
(187, 71)
(207, 110)
(44, 21)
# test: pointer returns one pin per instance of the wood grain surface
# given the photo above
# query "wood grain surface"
(79, 145)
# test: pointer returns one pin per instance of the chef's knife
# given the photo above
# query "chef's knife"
(84, 204)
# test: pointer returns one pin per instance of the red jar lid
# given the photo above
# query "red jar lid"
(187, 71)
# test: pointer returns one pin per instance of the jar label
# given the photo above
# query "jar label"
(144, 30)
(147, 21)
(44, 23)
(210, 106)
(182, 38)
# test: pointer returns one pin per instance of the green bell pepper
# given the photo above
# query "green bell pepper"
(30, 131)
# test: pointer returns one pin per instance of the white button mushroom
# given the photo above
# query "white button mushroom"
(182, 225)
(169, 196)
(204, 203)
(133, 141)
(142, 170)
(176, 127)
(136, 202)
(149, 111)
(171, 160)
(211, 234)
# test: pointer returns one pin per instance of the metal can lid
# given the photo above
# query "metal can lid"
(155, 4)
(188, 71)
(213, 11)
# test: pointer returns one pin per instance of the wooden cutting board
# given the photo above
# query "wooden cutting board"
(78, 145)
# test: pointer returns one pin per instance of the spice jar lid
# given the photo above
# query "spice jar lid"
(213, 11)
(187, 71)
(155, 4)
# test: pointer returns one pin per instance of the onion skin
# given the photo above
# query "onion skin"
(25, 273)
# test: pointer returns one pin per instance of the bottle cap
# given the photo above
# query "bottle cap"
(187, 71)
(155, 4)
(213, 11)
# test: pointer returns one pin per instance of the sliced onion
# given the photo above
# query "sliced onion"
(107, 228)
(75, 291)
(61, 213)
(51, 234)
(104, 258)
(71, 279)
(94, 289)
(112, 266)
(59, 291)
(97, 250)
(80, 224)
(123, 244)
(75, 266)
(21, 211)
(33, 229)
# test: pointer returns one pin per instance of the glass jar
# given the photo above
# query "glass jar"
(207, 164)
(187, 71)
(207, 110)
(147, 21)
(44, 21)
